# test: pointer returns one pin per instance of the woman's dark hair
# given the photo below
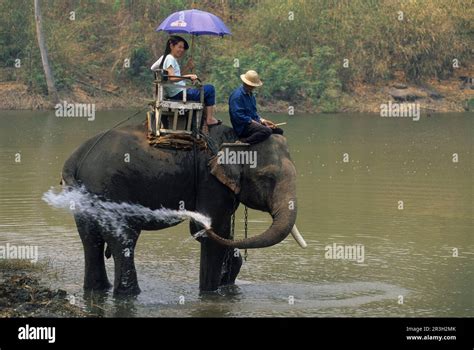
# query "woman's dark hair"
(173, 40)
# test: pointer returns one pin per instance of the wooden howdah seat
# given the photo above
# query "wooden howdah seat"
(174, 116)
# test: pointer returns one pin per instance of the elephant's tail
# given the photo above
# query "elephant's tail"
(68, 174)
(68, 179)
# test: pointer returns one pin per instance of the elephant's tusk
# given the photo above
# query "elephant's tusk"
(298, 237)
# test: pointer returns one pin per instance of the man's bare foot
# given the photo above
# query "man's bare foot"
(212, 121)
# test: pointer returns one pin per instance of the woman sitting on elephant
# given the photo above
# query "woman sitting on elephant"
(175, 49)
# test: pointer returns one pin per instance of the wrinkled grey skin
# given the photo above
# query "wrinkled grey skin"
(158, 177)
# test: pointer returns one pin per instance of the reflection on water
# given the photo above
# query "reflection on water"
(408, 252)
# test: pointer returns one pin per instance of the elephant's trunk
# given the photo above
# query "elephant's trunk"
(283, 211)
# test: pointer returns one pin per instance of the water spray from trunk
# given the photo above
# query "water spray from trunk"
(116, 216)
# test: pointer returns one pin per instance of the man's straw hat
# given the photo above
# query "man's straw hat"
(251, 78)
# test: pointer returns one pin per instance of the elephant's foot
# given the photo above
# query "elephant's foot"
(97, 285)
(127, 291)
(126, 283)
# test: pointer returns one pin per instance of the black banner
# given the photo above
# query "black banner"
(416, 333)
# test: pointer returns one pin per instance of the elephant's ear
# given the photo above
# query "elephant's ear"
(228, 174)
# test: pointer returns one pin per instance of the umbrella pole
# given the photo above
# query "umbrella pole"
(192, 51)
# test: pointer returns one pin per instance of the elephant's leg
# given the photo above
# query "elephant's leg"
(123, 252)
(212, 257)
(95, 274)
(213, 272)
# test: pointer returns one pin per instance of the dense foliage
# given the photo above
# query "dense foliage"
(305, 51)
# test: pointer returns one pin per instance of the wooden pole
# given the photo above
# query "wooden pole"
(52, 92)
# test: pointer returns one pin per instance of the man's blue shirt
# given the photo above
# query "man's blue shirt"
(242, 109)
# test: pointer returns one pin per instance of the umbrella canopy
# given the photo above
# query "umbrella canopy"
(193, 22)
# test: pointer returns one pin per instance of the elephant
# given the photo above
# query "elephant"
(165, 178)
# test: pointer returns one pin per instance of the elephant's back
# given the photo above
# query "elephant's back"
(121, 165)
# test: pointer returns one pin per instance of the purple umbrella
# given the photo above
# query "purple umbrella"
(194, 22)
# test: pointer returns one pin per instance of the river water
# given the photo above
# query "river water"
(354, 172)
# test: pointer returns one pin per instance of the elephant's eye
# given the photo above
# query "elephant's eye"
(266, 176)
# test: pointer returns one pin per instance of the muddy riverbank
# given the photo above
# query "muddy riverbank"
(23, 293)
(453, 95)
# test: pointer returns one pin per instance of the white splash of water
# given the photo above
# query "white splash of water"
(114, 216)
